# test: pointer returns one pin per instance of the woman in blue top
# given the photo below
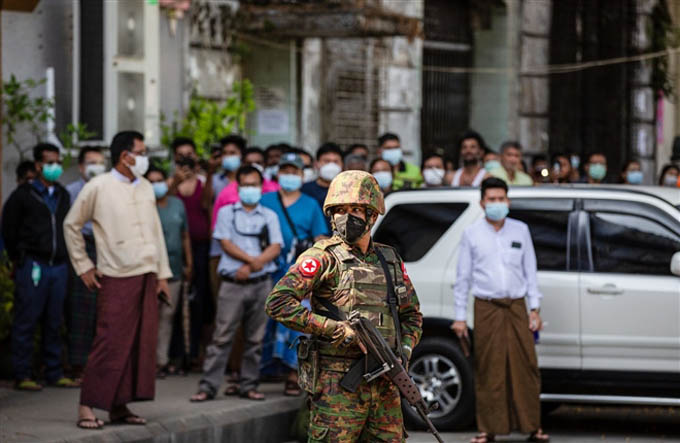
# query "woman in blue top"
(303, 212)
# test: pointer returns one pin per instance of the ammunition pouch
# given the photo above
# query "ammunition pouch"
(308, 365)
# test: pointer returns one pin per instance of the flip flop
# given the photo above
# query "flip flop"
(253, 394)
(208, 396)
(539, 436)
(292, 389)
(483, 437)
(129, 419)
(99, 424)
(231, 390)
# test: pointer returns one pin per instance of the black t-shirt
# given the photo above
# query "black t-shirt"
(318, 193)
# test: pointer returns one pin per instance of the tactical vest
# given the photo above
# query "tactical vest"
(361, 287)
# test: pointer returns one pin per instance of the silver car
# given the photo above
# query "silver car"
(608, 266)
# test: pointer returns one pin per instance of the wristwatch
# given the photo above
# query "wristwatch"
(536, 310)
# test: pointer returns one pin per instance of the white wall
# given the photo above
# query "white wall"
(490, 93)
(32, 42)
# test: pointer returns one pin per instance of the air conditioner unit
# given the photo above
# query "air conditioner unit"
(131, 68)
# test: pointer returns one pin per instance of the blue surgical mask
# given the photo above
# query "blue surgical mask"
(635, 177)
(290, 182)
(496, 211)
(384, 179)
(491, 165)
(392, 156)
(597, 171)
(231, 162)
(575, 161)
(52, 171)
(159, 189)
(249, 195)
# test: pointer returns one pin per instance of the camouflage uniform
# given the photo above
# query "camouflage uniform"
(352, 281)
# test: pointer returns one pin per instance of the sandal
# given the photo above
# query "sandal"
(253, 394)
(234, 377)
(201, 396)
(98, 424)
(231, 390)
(129, 419)
(175, 370)
(292, 389)
(483, 437)
(539, 436)
(28, 385)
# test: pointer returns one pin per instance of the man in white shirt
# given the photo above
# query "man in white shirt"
(497, 264)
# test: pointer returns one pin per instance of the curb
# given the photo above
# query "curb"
(256, 423)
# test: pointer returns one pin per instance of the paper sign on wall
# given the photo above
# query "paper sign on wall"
(272, 122)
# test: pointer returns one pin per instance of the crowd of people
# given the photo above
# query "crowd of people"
(201, 245)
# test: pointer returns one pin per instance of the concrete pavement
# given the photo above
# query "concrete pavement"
(50, 416)
(591, 424)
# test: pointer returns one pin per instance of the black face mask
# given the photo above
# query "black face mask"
(350, 227)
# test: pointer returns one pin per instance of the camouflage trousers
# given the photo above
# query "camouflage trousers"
(371, 414)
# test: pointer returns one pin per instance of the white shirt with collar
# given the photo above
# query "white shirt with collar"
(122, 178)
(495, 264)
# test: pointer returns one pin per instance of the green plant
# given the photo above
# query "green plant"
(69, 138)
(24, 110)
(207, 121)
(664, 35)
(6, 296)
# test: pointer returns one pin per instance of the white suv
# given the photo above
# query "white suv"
(608, 261)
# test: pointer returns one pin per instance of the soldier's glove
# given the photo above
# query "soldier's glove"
(343, 336)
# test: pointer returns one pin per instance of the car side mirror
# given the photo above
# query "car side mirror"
(675, 264)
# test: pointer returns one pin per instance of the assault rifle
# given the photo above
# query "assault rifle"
(379, 360)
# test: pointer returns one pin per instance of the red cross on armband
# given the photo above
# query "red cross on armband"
(309, 267)
(403, 271)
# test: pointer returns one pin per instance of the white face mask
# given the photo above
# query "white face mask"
(329, 171)
(93, 170)
(384, 179)
(308, 175)
(670, 180)
(141, 165)
(433, 176)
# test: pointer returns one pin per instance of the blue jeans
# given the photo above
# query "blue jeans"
(33, 303)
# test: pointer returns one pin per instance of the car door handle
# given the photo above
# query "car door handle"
(608, 289)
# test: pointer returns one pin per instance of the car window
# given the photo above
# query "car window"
(413, 228)
(631, 244)
(549, 234)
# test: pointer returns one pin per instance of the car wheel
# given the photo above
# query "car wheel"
(443, 375)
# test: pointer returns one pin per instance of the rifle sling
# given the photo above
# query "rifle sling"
(285, 213)
(332, 311)
(354, 376)
(392, 302)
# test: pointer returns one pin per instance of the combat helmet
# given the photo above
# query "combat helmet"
(354, 188)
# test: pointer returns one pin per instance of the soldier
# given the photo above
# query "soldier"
(344, 274)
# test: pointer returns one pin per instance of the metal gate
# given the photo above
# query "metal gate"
(446, 95)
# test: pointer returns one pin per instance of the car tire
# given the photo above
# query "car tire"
(430, 368)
